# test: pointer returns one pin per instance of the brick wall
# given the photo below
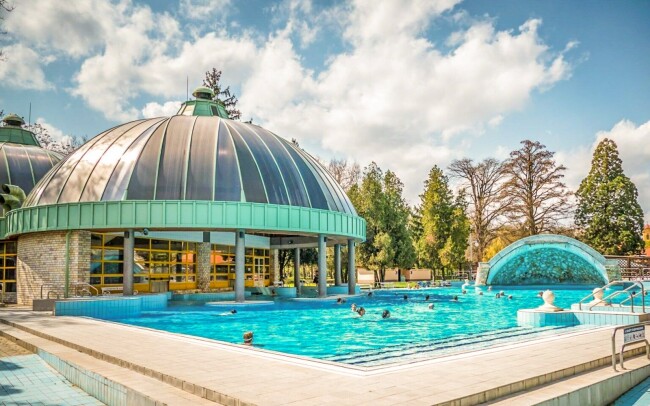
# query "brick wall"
(42, 260)
(203, 253)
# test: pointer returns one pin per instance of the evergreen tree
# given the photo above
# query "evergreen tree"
(436, 211)
(607, 211)
(378, 199)
(212, 80)
(452, 255)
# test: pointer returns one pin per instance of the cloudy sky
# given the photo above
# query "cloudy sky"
(407, 84)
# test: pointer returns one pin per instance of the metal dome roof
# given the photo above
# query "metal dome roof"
(25, 165)
(191, 158)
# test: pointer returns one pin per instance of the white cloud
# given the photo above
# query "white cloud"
(394, 98)
(151, 110)
(205, 9)
(23, 68)
(57, 135)
(71, 27)
(634, 150)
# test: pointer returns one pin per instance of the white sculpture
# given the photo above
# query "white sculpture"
(598, 297)
(465, 285)
(548, 306)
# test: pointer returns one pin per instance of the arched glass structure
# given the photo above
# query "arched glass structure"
(197, 158)
(25, 165)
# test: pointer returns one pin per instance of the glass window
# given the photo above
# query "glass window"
(142, 182)
(227, 184)
(250, 173)
(173, 159)
(292, 179)
(19, 168)
(316, 195)
(111, 280)
(113, 240)
(159, 244)
(188, 110)
(96, 268)
(96, 240)
(273, 181)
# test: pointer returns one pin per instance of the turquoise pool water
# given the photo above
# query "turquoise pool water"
(326, 330)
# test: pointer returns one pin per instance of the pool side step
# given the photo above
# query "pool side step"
(598, 387)
(552, 389)
(107, 382)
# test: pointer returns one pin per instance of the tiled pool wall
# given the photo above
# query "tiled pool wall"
(206, 297)
(536, 318)
(112, 306)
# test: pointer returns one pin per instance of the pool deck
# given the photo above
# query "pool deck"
(238, 375)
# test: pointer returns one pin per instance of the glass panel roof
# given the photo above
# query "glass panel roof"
(189, 158)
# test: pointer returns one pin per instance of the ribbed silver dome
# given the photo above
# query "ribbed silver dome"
(191, 158)
(24, 165)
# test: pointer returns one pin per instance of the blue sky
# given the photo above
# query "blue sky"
(408, 84)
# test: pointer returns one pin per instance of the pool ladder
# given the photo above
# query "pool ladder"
(628, 291)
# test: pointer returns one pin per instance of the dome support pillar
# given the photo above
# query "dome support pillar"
(322, 265)
(129, 248)
(296, 270)
(352, 269)
(337, 264)
(240, 257)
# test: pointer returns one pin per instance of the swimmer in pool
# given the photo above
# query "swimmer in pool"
(361, 311)
(385, 314)
(353, 307)
(431, 306)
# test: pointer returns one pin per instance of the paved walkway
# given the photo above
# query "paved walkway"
(28, 380)
(253, 376)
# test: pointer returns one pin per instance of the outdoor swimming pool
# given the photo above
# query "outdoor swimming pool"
(326, 330)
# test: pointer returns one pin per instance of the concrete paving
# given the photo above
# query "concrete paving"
(236, 374)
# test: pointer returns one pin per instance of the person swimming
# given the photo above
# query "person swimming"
(353, 307)
(385, 314)
(454, 299)
(431, 306)
(426, 298)
(497, 296)
(406, 297)
(509, 297)
(340, 300)
(369, 294)
(489, 288)
(464, 292)
(361, 311)
(480, 293)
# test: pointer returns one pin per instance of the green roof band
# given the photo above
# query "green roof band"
(184, 215)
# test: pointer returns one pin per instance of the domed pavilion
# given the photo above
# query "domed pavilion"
(192, 201)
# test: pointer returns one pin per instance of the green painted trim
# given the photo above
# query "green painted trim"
(3, 228)
(184, 215)
(66, 291)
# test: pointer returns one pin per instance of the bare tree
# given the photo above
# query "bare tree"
(345, 174)
(482, 182)
(65, 147)
(534, 194)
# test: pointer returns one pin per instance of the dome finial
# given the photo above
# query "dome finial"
(203, 93)
(13, 120)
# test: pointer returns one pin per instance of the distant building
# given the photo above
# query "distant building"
(646, 239)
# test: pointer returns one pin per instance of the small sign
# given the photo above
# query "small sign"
(633, 334)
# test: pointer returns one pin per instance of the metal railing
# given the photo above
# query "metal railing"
(83, 287)
(617, 293)
(44, 285)
(641, 340)
(630, 294)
